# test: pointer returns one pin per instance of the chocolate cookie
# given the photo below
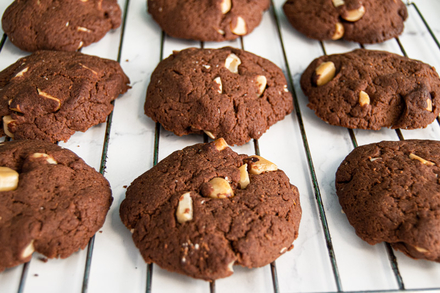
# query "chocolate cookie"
(205, 208)
(362, 21)
(62, 25)
(390, 191)
(208, 20)
(372, 89)
(49, 95)
(51, 201)
(225, 92)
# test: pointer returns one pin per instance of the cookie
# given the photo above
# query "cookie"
(205, 208)
(208, 20)
(225, 92)
(361, 21)
(372, 89)
(51, 201)
(62, 25)
(49, 95)
(390, 192)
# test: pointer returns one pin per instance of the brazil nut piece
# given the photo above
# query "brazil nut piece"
(354, 15)
(339, 31)
(232, 62)
(184, 211)
(244, 177)
(324, 73)
(258, 165)
(240, 27)
(364, 98)
(217, 188)
(8, 179)
(423, 161)
(225, 6)
(220, 144)
(261, 83)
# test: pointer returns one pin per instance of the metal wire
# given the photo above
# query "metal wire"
(316, 188)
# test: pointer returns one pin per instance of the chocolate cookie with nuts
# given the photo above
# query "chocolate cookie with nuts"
(205, 208)
(208, 20)
(390, 193)
(225, 92)
(62, 25)
(49, 95)
(362, 21)
(372, 89)
(51, 201)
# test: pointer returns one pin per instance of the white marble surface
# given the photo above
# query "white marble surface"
(116, 264)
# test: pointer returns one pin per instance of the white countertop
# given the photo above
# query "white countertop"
(116, 265)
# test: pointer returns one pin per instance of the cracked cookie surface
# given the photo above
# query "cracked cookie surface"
(369, 89)
(362, 21)
(57, 205)
(205, 208)
(390, 191)
(225, 92)
(208, 20)
(61, 25)
(49, 95)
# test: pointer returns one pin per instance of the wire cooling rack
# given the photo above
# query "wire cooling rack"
(328, 256)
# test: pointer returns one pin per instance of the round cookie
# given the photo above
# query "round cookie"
(208, 20)
(390, 192)
(62, 25)
(51, 201)
(225, 92)
(372, 89)
(362, 21)
(49, 95)
(205, 208)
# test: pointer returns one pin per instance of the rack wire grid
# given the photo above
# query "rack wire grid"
(328, 256)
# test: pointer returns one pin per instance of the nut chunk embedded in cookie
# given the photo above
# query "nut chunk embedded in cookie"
(51, 202)
(202, 210)
(369, 89)
(49, 95)
(61, 25)
(390, 193)
(227, 92)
